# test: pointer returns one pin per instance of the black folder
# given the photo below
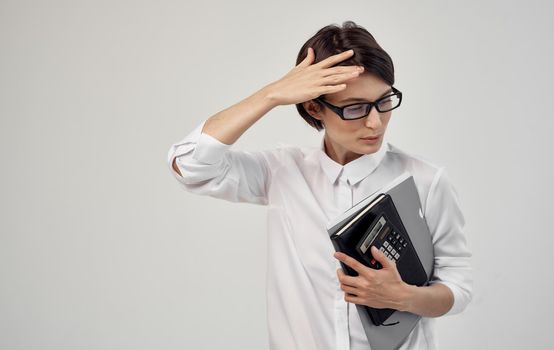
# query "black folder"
(378, 224)
(407, 202)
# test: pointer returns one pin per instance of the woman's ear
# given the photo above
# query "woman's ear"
(313, 109)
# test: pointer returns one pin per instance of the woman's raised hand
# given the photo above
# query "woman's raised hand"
(307, 81)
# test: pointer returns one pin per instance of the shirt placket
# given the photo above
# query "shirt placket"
(344, 201)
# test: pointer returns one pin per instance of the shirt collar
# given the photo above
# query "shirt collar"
(354, 171)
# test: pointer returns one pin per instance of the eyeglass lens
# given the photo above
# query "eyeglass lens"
(362, 109)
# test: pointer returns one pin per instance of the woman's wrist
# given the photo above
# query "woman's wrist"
(429, 301)
(267, 95)
(407, 298)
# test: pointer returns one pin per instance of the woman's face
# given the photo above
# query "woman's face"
(343, 138)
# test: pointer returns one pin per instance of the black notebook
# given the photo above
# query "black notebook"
(378, 224)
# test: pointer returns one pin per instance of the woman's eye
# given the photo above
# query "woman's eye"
(356, 107)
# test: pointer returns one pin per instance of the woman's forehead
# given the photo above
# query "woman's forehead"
(366, 87)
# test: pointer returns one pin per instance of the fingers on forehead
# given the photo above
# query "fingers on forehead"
(331, 60)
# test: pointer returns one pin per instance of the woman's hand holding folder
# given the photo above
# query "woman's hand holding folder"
(383, 288)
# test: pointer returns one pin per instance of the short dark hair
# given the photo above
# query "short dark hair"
(331, 40)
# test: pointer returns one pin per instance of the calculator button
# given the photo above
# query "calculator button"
(393, 252)
(397, 255)
(382, 249)
(386, 244)
(397, 236)
(389, 248)
(405, 244)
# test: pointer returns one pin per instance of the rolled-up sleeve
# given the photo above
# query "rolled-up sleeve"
(452, 257)
(209, 167)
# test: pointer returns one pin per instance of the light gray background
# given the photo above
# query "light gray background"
(100, 248)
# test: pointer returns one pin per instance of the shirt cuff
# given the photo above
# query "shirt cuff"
(209, 150)
(460, 301)
(457, 306)
(206, 148)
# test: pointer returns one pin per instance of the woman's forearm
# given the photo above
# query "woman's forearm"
(429, 301)
(229, 124)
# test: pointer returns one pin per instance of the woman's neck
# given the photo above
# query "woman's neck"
(334, 152)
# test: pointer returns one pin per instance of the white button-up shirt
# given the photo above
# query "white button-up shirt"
(303, 189)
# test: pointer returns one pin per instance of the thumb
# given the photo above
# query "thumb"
(381, 257)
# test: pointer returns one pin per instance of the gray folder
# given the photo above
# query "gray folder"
(406, 200)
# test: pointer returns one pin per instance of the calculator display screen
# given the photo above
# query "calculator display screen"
(374, 232)
(386, 231)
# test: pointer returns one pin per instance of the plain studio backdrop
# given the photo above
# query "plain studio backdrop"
(101, 248)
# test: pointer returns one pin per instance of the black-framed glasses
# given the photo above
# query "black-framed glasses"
(360, 110)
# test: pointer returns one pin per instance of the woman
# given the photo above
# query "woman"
(310, 301)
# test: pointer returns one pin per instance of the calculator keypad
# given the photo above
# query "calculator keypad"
(393, 246)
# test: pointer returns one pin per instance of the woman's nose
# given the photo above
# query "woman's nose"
(373, 119)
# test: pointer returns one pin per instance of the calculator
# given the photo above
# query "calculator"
(385, 237)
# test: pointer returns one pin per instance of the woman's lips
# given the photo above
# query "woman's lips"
(370, 140)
